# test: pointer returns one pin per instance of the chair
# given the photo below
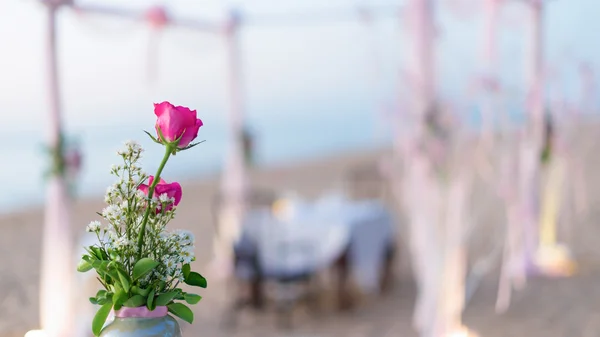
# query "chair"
(250, 274)
(368, 182)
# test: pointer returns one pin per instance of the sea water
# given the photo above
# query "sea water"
(278, 140)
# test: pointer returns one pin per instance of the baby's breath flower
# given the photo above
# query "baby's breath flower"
(113, 213)
(187, 256)
(93, 227)
(140, 195)
(165, 199)
(170, 264)
(121, 243)
(114, 169)
(185, 237)
(133, 146)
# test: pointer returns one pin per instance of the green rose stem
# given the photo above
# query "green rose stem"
(168, 150)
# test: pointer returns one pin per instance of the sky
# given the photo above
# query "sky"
(104, 61)
(295, 76)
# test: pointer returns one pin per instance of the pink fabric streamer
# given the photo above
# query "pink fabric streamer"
(158, 18)
(141, 312)
(56, 265)
(234, 182)
(153, 50)
(56, 274)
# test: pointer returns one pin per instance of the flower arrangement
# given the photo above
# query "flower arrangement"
(65, 161)
(139, 261)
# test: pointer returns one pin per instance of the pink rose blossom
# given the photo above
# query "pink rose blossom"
(175, 122)
(172, 190)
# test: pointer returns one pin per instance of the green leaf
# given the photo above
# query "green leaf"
(84, 266)
(181, 311)
(125, 280)
(143, 267)
(151, 304)
(99, 253)
(192, 298)
(113, 254)
(135, 301)
(195, 279)
(161, 285)
(93, 300)
(191, 146)
(100, 318)
(161, 138)
(119, 298)
(186, 269)
(152, 137)
(101, 294)
(101, 267)
(113, 274)
(140, 291)
(166, 298)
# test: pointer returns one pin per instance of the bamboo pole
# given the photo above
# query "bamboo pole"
(57, 258)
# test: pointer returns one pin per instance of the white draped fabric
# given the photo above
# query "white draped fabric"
(317, 234)
(57, 269)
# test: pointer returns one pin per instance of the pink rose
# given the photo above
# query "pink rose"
(172, 190)
(175, 122)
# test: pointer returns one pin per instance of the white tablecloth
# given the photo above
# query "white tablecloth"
(317, 235)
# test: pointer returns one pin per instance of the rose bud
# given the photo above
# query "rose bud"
(176, 122)
(172, 190)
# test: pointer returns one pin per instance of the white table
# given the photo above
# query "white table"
(316, 235)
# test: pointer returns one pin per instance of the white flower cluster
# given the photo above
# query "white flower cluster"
(124, 213)
(174, 250)
(132, 149)
(93, 227)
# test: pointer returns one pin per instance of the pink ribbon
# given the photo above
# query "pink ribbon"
(141, 312)
(157, 17)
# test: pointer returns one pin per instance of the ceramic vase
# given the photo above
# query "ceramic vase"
(141, 322)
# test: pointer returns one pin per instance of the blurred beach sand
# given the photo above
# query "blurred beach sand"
(545, 308)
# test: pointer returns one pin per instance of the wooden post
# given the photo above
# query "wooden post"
(533, 138)
(421, 187)
(234, 184)
(57, 258)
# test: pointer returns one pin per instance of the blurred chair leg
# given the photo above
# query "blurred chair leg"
(387, 277)
(343, 272)
(313, 300)
(257, 295)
